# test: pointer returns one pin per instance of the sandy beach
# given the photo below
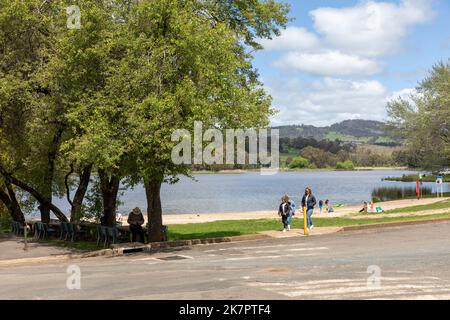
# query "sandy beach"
(339, 212)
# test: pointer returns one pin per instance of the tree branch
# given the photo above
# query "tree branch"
(66, 183)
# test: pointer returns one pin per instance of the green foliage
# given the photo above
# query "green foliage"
(422, 120)
(346, 165)
(299, 163)
(319, 157)
(111, 93)
(395, 193)
(5, 221)
(415, 177)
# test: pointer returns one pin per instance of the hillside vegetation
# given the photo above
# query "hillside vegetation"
(350, 131)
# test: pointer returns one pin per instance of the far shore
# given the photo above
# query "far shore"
(240, 171)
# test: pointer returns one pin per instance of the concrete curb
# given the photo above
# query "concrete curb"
(120, 251)
(186, 243)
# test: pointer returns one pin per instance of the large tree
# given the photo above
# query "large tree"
(30, 125)
(107, 97)
(423, 120)
(191, 63)
(170, 63)
(46, 71)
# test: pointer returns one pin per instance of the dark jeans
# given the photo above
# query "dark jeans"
(136, 230)
(286, 220)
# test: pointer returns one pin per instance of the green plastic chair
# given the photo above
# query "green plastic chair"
(102, 235)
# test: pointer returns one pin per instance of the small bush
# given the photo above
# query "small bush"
(299, 163)
(346, 165)
(5, 224)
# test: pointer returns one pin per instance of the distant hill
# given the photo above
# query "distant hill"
(356, 131)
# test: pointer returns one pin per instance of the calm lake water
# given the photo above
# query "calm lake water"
(244, 192)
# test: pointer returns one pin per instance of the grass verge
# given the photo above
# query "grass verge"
(247, 227)
(426, 207)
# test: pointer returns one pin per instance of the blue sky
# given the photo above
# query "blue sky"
(345, 59)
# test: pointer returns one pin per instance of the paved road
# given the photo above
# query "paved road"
(414, 262)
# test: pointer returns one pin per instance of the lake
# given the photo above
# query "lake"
(244, 192)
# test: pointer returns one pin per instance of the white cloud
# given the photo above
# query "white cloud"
(328, 101)
(406, 94)
(330, 63)
(293, 38)
(351, 40)
(371, 28)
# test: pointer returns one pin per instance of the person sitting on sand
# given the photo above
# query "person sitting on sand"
(364, 208)
(286, 211)
(329, 206)
(136, 220)
(371, 207)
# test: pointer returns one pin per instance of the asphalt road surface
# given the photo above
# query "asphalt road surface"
(410, 262)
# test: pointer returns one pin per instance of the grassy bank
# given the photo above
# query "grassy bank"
(427, 207)
(246, 227)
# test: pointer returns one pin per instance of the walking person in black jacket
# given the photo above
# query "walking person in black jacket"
(286, 211)
(309, 202)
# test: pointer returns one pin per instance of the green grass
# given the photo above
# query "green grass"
(345, 138)
(434, 206)
(247, 227)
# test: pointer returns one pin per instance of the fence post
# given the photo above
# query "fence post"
(305, 223)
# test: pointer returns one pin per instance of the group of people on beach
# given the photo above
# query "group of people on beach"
(287, 209)
(369, 207)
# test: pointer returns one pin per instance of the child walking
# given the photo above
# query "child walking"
(286, 211)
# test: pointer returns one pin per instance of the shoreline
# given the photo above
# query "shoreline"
(272, 214)
(241, 171)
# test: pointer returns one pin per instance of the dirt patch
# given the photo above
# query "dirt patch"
(276, 270)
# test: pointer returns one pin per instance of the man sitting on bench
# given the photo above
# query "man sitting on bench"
(136, 220)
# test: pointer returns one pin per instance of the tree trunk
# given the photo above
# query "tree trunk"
(77, 202)
(110, 189)
(44, 202)
(8, 197)
(17, 212)
(44, 208)
(154, 210)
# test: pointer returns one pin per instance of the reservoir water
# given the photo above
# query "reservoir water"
(245, 192)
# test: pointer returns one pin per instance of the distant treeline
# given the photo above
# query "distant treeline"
(333, 154)
(299, 143)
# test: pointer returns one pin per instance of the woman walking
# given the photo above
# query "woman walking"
(309, 202)
(286, 211)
